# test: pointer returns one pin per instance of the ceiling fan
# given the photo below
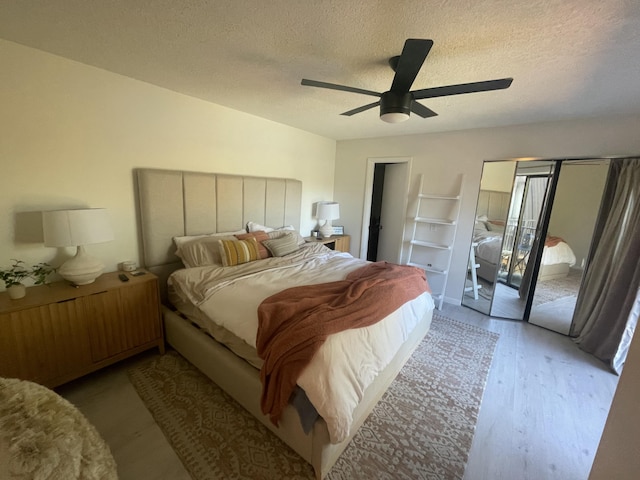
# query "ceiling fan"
(397, 104)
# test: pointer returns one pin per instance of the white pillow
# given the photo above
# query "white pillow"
(255, 227)
(275, 232)
(201, 250)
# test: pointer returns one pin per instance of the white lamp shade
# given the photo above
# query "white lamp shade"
(328, 211)
(66, 228)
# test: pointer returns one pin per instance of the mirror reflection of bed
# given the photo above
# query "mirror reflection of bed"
(510, 211)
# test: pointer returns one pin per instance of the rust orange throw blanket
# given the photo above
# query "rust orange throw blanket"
(293, 324)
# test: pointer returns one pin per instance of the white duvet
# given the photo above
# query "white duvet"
(490, 245)
(559, 253)
(348, 361)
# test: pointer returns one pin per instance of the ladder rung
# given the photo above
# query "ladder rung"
(428, 268)
(422, 243)
(440, 221)
(469, 289)
(438, 197)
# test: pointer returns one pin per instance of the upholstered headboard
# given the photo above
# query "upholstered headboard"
(175, 203)
(493, 204)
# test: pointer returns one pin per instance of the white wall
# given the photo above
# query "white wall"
(71, 135)
(576, 205)
(442, 157)
(497, 176)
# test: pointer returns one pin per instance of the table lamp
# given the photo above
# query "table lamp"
(327, 211)
(77, 228)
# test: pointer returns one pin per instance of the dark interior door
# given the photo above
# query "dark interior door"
(376, 208)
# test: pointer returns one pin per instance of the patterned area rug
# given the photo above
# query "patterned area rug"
(422, 427)
(551, 290)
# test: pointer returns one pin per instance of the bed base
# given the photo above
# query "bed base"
(550, 272)
(486, 270)
(241, 380)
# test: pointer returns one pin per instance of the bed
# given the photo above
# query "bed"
(488, 235)
(489, 230)
(190, 204)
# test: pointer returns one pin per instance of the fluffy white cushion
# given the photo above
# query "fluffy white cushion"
(43, 436)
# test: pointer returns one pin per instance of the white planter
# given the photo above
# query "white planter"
(17, 291)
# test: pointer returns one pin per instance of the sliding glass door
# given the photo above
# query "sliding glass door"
(524, 213)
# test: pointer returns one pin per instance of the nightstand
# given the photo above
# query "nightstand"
(59, 332)
(339, 243)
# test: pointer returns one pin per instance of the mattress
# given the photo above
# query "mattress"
(222, 301)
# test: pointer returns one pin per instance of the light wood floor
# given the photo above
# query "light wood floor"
(541, 417)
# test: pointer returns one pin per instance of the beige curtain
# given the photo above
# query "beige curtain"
(602, 318)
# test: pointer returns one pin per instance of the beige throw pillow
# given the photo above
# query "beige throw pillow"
(284, 245)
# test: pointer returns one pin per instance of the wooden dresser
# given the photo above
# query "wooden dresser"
(59, 332)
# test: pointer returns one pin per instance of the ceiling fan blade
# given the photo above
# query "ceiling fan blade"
(360, 109)
(463, 88)
(333, 86)
(413, 55)
(422, 111)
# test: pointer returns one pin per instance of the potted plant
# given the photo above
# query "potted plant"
(16, 273)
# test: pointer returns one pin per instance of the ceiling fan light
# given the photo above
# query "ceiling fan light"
(394, 117)
(395, 107)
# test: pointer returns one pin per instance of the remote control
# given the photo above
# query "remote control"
(123, 277)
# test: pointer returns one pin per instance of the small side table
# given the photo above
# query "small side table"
(340, 243)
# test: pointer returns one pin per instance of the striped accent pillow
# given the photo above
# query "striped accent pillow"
(260, 237)
(236, 252)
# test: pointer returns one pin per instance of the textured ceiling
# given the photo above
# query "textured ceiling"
(569, 59)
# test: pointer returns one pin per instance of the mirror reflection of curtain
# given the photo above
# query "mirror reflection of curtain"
(602, 323)
(536, 191)
(537, 198)
(527, 200)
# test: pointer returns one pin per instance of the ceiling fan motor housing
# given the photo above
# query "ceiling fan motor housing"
(395, 103)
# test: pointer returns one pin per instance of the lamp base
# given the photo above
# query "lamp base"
(326, 230)
(82, 269)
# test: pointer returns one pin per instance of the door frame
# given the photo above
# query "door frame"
(368, 191)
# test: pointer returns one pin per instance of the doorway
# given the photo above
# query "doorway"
(384, 213)
(375, 218)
